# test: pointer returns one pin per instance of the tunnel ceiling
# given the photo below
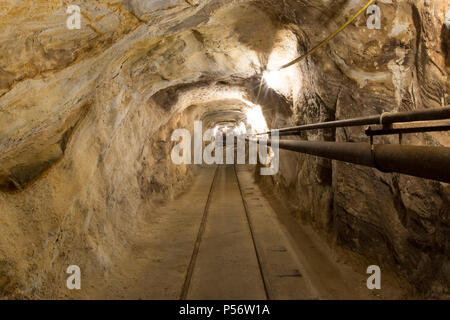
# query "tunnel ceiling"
(222, 111)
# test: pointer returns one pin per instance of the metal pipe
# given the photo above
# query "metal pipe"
(420, 161)
(358, 153)
(384, 119)
(332, 124)
(423, 115)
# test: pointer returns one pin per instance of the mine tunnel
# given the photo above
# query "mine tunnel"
(231, 149)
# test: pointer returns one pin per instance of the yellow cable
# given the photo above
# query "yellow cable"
(320, 45)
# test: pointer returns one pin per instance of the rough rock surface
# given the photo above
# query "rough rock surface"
(86, 117)
(390, 218)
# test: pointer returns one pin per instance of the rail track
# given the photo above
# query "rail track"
(240, 251)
